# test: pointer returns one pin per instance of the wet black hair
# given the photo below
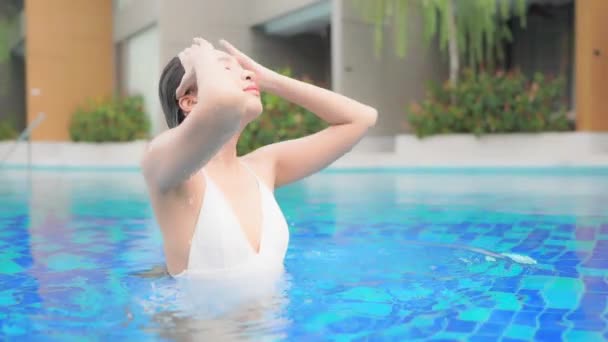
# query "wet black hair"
(170, 79)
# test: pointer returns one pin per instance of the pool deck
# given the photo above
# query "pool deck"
(504, 150)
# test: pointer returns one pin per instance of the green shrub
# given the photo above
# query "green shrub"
(281, 120)
(115, 119)
(492, 103)
(7, 131)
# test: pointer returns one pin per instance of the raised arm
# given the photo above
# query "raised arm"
(213, 117)
(295, 159)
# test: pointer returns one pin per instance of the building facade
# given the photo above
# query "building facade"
(324, 40)
(75, 51)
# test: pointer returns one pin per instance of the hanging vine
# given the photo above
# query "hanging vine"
(472, 30)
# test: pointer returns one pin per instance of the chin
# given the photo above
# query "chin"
(253, 110)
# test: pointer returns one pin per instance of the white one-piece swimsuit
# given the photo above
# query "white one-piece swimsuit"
(219, 245)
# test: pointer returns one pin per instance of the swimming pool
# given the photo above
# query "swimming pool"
(373, 255)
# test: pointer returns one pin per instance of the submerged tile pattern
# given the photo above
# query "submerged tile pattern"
(371, 262)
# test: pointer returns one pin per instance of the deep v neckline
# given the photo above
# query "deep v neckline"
(240, 227)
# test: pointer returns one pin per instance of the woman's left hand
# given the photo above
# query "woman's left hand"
(264, 76)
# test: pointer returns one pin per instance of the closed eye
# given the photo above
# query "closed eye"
(226, 61)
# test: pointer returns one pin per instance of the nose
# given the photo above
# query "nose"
(248, 75)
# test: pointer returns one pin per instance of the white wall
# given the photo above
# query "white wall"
(132, 16)
(388, 83)
(179, 21)
(140, 72)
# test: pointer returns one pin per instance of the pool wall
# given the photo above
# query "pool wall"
(526, 150)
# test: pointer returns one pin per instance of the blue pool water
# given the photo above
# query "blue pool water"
(400, 255)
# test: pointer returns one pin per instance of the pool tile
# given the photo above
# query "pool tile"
(551, 321)
(568, 263)
(428, 329)
(526, 318)
(476, 314)
(566, 227)
(562, 312)
(483, 338)
(548, 335)
(548, 255)
(582, 336)
(9, 330)
(503, 226)
(532, 241)
(602, 245)
(370, 294)
(461, 326)
(467, 237)
(563, 293)
(7, 266)
(585, 233)
(579, 246)
(574, 255)
(532, 298)
(506, 301)
(501, 316)
(7, 298)
(601, 264)
(556, 241)
(518, 331)
(582, 315)
(505, 285)
(350, 325)
(536, 282)
(485, 241)
(66, 262)
(492, 329)
(542, 272)
(599, 254)
(590, 325)
(596, 272)
(593, 302)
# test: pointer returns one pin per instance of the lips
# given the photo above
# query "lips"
(252, 88)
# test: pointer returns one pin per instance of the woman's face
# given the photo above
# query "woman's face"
(243, 79)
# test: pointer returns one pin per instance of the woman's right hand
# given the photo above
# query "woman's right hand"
(190, 58)
(205, 70)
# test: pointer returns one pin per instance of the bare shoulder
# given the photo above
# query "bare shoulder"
(176, 212)
(180, 203)
(263, 164)
(193, 184)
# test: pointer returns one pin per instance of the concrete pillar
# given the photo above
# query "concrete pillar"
(591, 65)
(69, 59)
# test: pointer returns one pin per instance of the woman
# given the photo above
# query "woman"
(217, 211)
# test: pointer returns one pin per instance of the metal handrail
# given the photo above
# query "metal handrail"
(25, 134)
